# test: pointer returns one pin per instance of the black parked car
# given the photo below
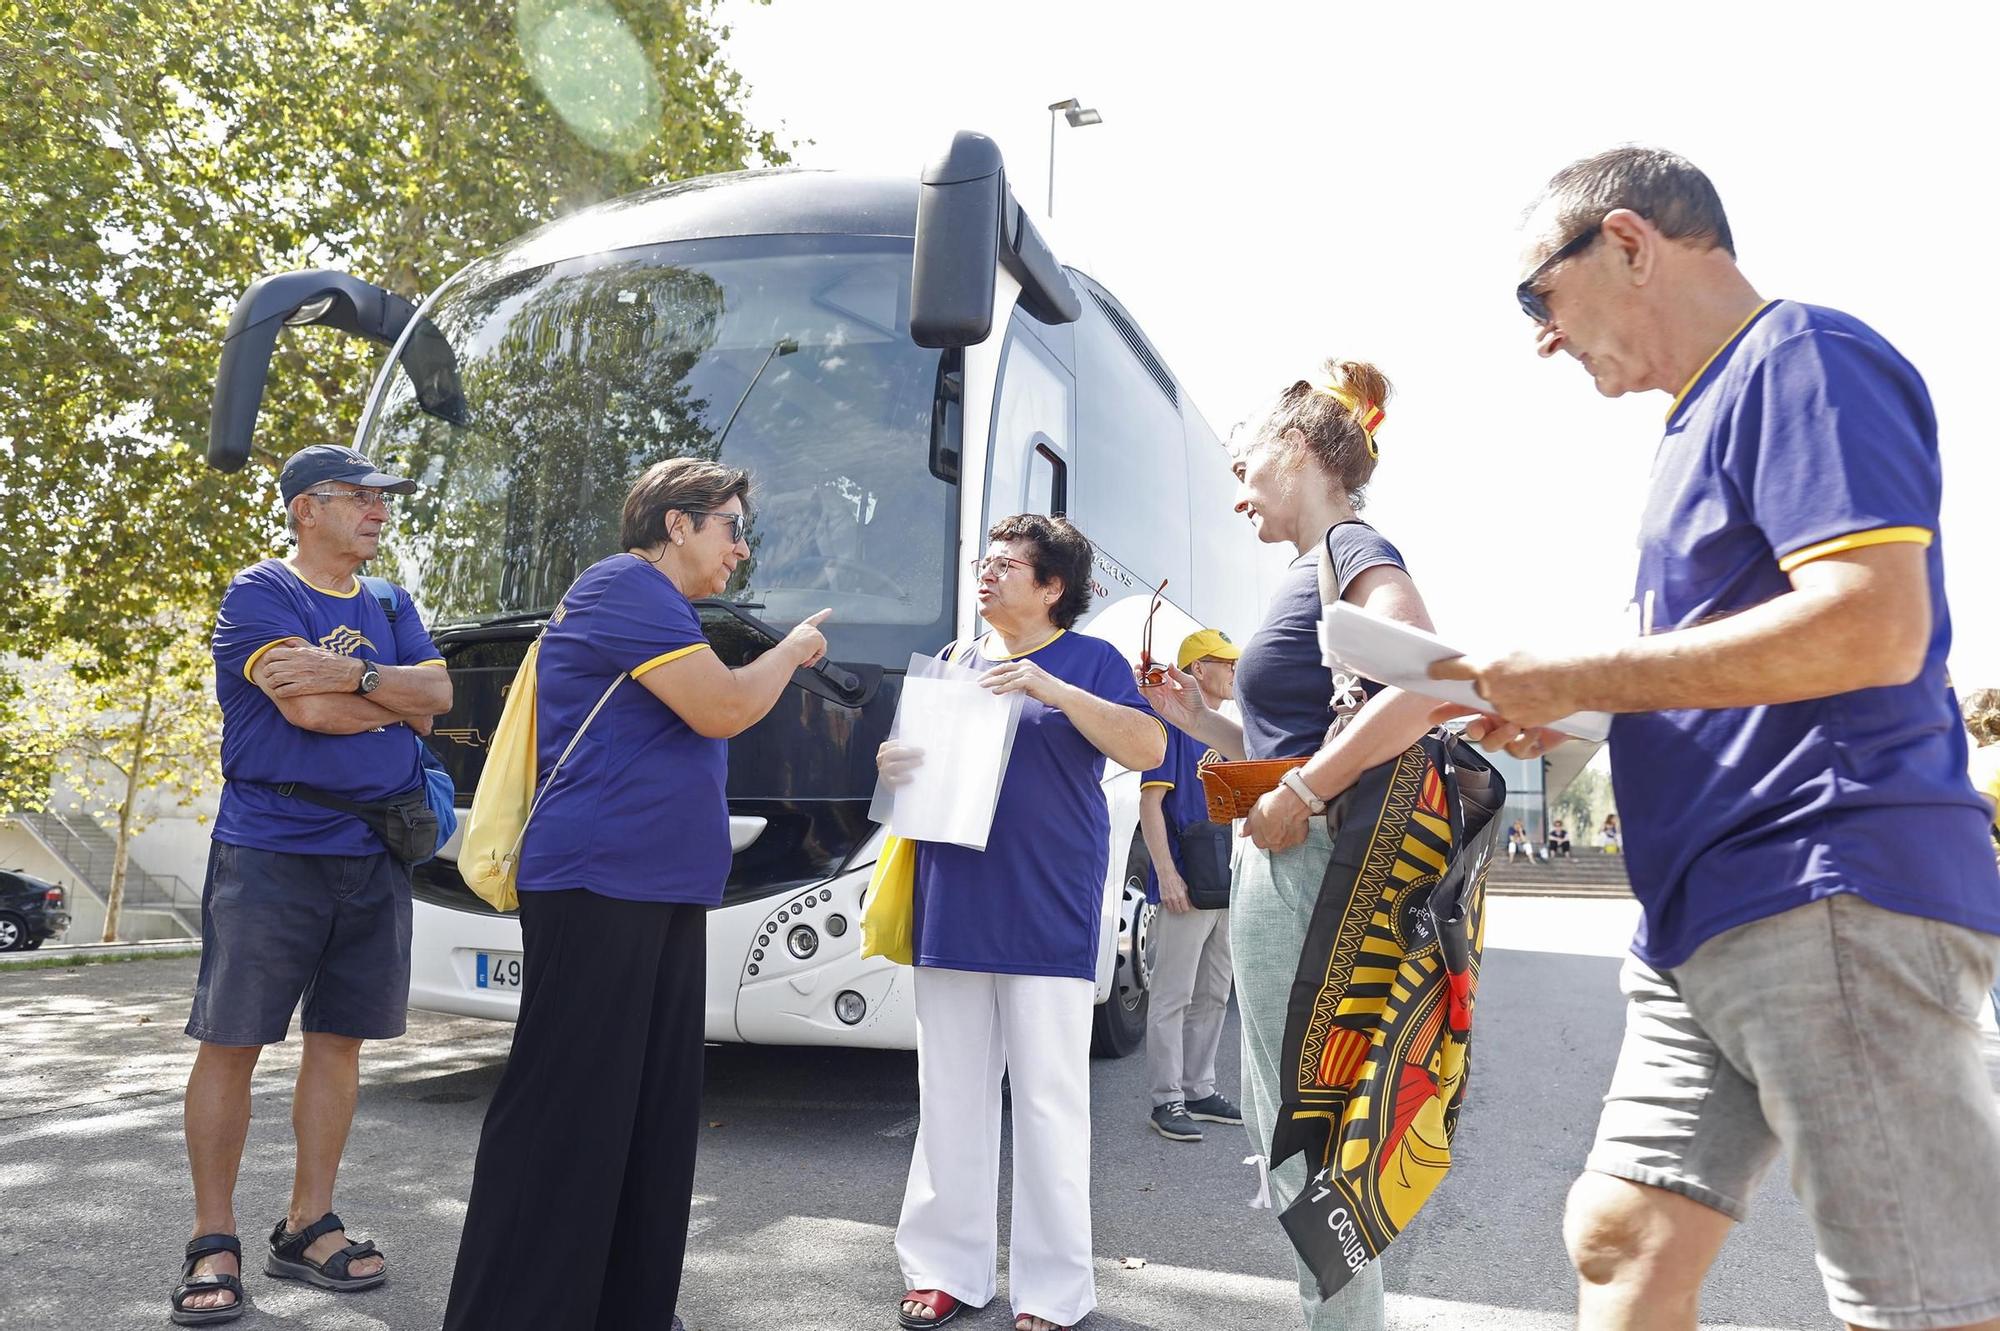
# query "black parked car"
(31, 911)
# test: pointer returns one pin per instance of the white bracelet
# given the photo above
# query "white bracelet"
(1294, 780)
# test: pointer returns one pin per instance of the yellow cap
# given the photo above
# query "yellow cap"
(1206, 642)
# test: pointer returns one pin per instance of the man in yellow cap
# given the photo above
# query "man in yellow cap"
(1192, 972)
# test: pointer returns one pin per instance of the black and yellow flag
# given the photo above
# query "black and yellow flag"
(1374, 1054)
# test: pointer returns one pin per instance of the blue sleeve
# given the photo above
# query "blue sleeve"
(640, 622)
(1356, 548)
(1169, 770)
(1836, 440)
(1112, 680)
(252, 617)
(413, 640)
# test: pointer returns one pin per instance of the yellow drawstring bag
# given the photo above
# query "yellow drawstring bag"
(490, 852)
(888, 924)
(489, 856)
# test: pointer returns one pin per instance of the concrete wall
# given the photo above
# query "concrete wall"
(21, 849)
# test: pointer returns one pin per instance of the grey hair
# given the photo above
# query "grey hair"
(1664, 188)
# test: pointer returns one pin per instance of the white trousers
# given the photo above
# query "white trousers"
(1192, 972)
(971, 1028)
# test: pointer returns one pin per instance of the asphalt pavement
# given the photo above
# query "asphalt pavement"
(803, 1156)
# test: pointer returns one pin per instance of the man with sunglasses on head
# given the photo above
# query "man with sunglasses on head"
(1192, 967)
(321, 686)
(1821, 906)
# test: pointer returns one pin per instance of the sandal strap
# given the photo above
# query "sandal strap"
(206, 1244)
(936, 1300)
(292, 1247)
(208, 1284)
(346, 1257)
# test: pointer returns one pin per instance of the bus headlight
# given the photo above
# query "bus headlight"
(850, 1007)
(802, 941)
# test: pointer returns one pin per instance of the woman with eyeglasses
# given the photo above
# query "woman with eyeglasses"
(1006, 950)
(1301, 473)
(585, 1173)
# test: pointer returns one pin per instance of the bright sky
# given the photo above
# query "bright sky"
(1275, 183)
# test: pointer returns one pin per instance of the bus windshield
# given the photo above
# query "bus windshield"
(786, 355)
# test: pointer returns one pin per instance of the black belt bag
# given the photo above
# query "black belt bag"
(1205, 848)
(406, 824)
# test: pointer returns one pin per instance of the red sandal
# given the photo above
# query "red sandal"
(942, 1305)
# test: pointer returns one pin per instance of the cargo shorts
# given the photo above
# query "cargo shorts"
(1848, 1036)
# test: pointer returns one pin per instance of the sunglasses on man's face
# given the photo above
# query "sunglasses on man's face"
(1534, 301)
(1151, 673)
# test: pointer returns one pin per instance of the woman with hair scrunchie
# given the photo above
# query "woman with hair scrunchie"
(1005, 945)
(1300, 476)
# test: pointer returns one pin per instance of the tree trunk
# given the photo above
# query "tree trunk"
(135, 771)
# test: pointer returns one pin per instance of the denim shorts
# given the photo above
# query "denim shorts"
(333, 930)
(1848, 1036)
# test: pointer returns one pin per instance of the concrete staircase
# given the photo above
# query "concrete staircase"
(156, 905)
(1585, 872)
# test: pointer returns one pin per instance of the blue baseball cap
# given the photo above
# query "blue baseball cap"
(317, 463)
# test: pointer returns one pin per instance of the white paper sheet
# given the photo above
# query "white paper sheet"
(966, 734)
(1395, 653)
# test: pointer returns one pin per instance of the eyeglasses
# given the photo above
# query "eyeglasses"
(1534, 302)
(738, 522)
(1151, 673)
(361, 499)
(979, 566)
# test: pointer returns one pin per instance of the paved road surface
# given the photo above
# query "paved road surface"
(802, 1167)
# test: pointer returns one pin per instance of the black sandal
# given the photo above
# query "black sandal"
(191, 1284)
(288, 1260)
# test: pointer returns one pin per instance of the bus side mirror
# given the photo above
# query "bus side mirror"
(967, 220)
(336, 300)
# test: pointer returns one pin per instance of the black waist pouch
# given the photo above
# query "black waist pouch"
(1205, 850)
(407, 825)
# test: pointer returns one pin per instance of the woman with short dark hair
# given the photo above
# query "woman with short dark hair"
(585, 1174)
(1006, 950)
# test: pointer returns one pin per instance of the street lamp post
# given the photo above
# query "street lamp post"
(1078, 116)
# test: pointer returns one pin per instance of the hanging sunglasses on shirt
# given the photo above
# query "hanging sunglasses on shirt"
(1152, 673)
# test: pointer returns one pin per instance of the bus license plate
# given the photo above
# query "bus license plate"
(497, 970)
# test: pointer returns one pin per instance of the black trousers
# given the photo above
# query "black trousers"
(580, 1194)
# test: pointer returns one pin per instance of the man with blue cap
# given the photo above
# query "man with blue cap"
(324, 691)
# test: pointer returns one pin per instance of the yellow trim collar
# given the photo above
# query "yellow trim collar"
(1859, 540)
(1017, 655)
(665, 657)
(347, 595)
(1727, 343)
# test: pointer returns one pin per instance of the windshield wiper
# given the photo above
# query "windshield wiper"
(845, 683)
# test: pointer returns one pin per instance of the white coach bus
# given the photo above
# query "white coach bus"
(899, 363)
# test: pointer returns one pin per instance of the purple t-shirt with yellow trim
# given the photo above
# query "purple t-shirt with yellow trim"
(1184, 802)
(268, 604)
(1806, 435)
(1029, 904)
(638, 810)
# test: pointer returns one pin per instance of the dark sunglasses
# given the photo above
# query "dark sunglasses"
(1533, 303)
(738, 522)
(1151, 673)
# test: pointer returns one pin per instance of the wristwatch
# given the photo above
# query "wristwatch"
(371, 678)
(1294, 780)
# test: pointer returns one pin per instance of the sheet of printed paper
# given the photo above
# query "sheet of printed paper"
(1395, 653)
(966, 734)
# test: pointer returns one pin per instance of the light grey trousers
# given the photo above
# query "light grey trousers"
(1190, 997)
(1271, 904)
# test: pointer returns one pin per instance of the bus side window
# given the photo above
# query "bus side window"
(1033, 414)
(1048, 480)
